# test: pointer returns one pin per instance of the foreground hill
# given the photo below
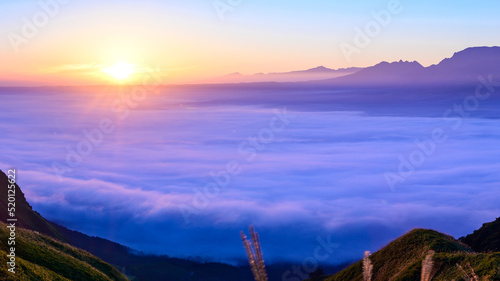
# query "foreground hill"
(402, 259)
(486, 239)
(40, 257)
(26, 217)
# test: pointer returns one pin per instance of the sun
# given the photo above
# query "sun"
(120, 71)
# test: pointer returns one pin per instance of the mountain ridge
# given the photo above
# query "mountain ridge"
(463, 67)
(316, 73)
(485, 239)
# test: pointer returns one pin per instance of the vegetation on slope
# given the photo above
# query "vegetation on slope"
(39, 257)
(26, 217)
(401, 260)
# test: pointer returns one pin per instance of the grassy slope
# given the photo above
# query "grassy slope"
(25, 215)
(402, 259)
(39, 257)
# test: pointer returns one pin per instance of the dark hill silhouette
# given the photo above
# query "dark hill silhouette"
(485, 239)
(26, 217)
(40, 257)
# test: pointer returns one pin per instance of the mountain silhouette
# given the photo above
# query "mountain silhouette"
(463, 67)
(26, 217)
(466, 65)
(485, 239)
(384, 73)
(317, 73)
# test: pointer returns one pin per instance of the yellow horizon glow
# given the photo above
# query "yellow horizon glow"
(120, 71)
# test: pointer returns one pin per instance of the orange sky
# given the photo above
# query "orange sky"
(189, 42)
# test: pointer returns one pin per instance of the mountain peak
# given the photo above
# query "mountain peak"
(234, 74)
(400, 62)
(320, 68)
(463, 67)
(472, 53)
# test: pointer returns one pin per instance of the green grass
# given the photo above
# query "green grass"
(39, 257)
(401, 260)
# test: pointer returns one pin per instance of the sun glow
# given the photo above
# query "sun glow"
(120, 71)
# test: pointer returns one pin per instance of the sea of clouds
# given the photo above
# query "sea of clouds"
(323, 175)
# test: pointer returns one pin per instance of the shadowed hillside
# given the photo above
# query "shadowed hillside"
(39, 257)
(25, 215)
(486, 239)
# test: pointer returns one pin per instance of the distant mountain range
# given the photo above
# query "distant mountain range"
(462, 68)
(317, 73)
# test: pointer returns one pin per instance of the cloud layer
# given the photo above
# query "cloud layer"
(321, 176)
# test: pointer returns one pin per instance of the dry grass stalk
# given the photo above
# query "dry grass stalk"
(465, 275)
(427, 267)
(367, 267)
(473, 274)
(254, 253)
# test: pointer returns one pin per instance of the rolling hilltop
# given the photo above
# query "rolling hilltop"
(402, 259)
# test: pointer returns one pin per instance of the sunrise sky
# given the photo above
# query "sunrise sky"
(190, 41)
(321, 175)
